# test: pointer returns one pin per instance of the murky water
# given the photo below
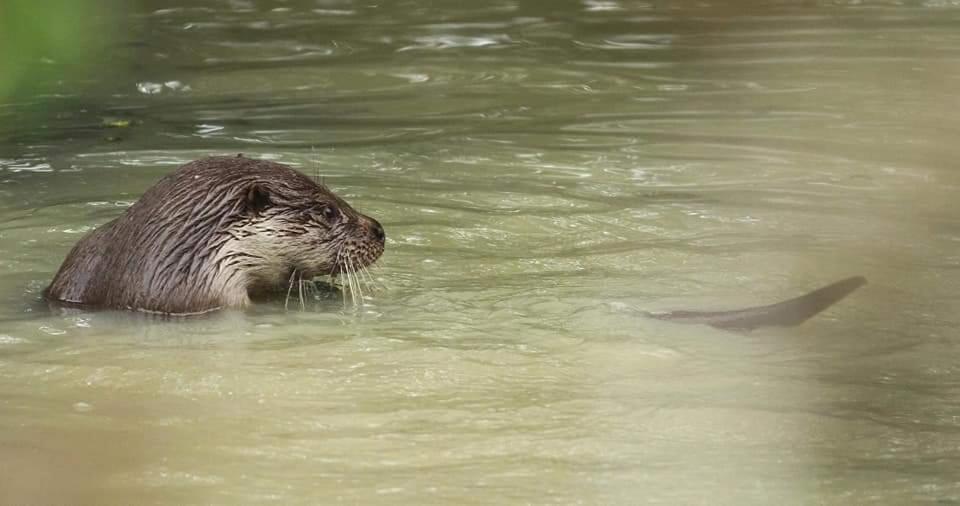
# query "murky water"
(544, 170)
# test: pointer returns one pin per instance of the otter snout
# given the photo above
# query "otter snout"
(365, 245)
(375, 229)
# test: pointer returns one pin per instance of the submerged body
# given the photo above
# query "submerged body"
(788, 313)
(213, 234)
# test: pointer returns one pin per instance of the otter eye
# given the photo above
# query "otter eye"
(330, 213)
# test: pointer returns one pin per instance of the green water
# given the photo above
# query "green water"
(543, 171)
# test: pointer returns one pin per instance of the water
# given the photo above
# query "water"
(543, 170)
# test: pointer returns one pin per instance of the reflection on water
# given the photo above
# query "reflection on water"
(544, 170)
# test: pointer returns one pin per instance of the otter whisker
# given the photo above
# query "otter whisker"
(364, 277)
(343, 291)
(374, 282)
(360, 282)
(289, 288)
(339, 268)
(316, 164)
(309, 289)
(303, 306)
(376, 268)
(357, 294)
(361, 271)
(355, 286)
(345, 272)
(363, 280)
(349, 285)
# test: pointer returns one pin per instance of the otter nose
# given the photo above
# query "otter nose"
(377, 230)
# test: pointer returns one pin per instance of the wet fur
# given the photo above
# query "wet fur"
(211, 235)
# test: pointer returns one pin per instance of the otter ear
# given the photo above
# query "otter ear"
(257, 199)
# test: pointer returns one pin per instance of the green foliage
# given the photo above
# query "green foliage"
(43, 38)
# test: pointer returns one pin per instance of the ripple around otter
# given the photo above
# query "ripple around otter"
(544, 173)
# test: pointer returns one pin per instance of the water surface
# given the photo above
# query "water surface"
(544, 170)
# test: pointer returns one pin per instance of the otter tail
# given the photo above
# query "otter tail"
(788, 313)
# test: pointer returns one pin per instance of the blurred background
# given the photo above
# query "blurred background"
(545, 171)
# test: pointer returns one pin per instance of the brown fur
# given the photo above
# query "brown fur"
(213, 233)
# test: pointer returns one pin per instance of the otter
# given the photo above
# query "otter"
(222, 231)
(217, 233)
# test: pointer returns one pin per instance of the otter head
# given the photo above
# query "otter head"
(292, 228)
